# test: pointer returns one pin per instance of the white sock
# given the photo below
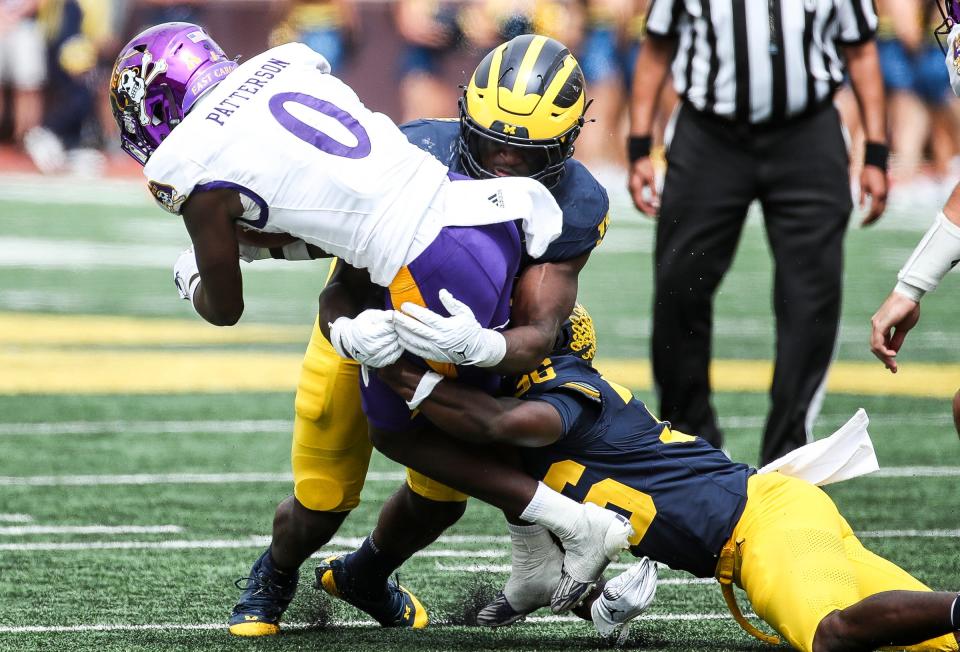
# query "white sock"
(525, 531)
(601, 616)
(553, 511)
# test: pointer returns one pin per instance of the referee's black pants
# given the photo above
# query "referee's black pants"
(798, 172)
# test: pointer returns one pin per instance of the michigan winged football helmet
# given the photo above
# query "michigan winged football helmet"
(527, 93)
(950, 12)
(158, 77)
(577, 336)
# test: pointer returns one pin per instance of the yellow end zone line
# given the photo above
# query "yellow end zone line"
(72, 330)
(45, 371)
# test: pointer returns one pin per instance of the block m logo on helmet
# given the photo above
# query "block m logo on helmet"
(527, 93)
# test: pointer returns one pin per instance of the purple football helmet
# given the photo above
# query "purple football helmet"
(950, 11)
(157, 79)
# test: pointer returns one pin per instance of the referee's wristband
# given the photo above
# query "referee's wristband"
(638, 147)
(877, 155)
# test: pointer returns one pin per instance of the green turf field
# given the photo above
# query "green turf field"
(143, 452)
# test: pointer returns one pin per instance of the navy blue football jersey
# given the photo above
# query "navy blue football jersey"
(682, 496)
(582, 199)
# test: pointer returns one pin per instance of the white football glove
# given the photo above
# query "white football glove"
(250, 253)
(369, 338)
(953, 58)
(458, 339)
(186, 276)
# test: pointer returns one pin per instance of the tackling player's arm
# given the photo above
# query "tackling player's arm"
(935, 255)
(353, 320)
(209, 217)
(543, 299)
(348, 292)
(474, 416)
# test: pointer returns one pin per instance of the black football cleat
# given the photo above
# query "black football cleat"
(499, 613)
(397, 608)
(266, 594)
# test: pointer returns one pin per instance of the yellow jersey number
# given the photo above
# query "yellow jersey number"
(542, 374)
(637, 504)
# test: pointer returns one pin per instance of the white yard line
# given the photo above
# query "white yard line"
(221, 544)
(917, 472)
(348, 543)
(372, 476)
(15, 518)
(505, 568)
(168, 478)
(227, 426)
(145, 427)
(132, 627)
(28, 530)
(909, 534)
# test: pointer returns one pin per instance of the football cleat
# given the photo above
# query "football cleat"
(266, 594)
(624, 598)
(598, 540)
(499, 613)
(536, 561)
(397, 608)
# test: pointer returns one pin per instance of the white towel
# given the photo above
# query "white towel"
(847, 453)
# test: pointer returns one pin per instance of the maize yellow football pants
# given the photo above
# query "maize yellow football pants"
(331, 449)
(798, 560)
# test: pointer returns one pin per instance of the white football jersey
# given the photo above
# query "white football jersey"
(308, 159)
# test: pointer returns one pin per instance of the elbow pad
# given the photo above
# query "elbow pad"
(936, 254)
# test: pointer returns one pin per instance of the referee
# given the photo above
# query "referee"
(756, 120)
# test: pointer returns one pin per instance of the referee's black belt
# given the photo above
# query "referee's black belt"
(746, 128)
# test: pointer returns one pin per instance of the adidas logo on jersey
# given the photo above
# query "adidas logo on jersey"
(496, 199)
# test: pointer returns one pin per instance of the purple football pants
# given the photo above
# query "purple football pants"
(477, 265)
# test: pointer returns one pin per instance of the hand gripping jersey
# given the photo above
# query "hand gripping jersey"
(582, 199)
(682, 496)
(310, 160)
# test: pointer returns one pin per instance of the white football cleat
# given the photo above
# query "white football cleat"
(624, 598)
(597, 540)
(536, 561)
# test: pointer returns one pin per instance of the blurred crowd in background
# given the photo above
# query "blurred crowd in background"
(407, 58)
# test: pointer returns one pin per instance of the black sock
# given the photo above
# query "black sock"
(370, 568)
(955, 614)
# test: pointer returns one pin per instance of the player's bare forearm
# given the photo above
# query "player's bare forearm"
(471, 415)
(863, 65)
(952, 208)
(348, 292)
(543, 299)
(653, 63)
(209, 217)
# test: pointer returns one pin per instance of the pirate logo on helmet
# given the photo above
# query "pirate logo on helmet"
(131, 88)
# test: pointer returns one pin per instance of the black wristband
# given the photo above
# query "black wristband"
(638, 147)
(876, 154)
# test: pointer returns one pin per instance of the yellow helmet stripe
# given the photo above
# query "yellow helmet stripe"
(561, 78)
(529, 60)
(494, 71)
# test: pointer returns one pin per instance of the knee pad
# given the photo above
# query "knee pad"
(433, 490)
(330, 452)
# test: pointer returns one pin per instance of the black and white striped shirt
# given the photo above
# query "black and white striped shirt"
(760, 60)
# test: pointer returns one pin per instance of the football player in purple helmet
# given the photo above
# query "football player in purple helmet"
(950, 10)
(939, 249)
(244, 159)
(158, 78)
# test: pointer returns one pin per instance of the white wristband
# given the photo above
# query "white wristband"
(494, 348)
(935, 255)
(296, 250)
(192, 286)
(426, 385)
(335, 328)
(910, 291)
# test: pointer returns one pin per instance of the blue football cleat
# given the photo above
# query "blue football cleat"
(266, 594)
(397, 608)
